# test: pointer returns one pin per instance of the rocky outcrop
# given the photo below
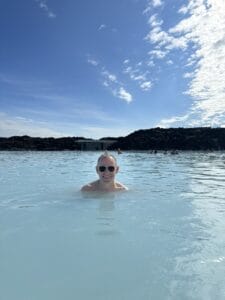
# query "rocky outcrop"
(202, 138)
(36, 143)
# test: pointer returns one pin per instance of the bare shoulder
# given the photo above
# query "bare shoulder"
(89, 187)
(121, 187)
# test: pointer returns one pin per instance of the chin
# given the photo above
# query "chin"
(107, 179)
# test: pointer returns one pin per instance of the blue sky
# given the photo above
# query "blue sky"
(98, 68)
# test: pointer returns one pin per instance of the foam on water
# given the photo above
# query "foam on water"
(163, 239)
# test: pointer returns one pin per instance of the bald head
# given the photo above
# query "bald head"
(106, 155)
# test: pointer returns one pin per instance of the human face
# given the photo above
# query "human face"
(103, 168)
(107, 169)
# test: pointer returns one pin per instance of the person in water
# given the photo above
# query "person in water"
(106, 169)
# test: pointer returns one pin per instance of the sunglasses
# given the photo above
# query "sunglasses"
(103, 168)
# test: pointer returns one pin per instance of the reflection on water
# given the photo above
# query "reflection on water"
(163, 239)
(202, 261)
(105, 215)
(106, 218)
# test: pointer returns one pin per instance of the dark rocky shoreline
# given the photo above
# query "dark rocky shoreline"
(202, 138)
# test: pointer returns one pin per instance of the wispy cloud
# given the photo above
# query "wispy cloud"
(10, 126)
(101, 27)
(99, 132)
(19, 85)
(44, 6)
(51, 106)
(159, 54)
(18, 82)
(45, 100)
(151, 4)
(109, 76)
(110, 29)
(19, 125)
(92, 62)
(111, 82)
(171, 121)
(201, 35)
(146, 85)
(137, 74)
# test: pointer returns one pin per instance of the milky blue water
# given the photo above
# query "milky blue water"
(163, 239)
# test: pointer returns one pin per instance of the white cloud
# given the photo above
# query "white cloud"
(188, 75)
(109, 77)
(150, 63)
(152, 4)
(92, 62)
(146, 86)
(156, 3)
(43, 5)
(112, 78)
(138, 77)
(124, 95)
(141, 77)
(105, 83)
(112, 83)
(183, 10)
(202, 33)
(159, 54)
(154, 21)
(169, 62)
(165, 40)
(170, 121)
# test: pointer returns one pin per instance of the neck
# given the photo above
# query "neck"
(106, 186)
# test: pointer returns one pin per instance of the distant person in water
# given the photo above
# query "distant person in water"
(106, 169)
(119, 151)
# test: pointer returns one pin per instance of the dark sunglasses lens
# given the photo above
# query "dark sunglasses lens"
(111, 168)
(102, 168)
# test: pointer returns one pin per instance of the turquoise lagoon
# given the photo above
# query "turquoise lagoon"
(163, 239)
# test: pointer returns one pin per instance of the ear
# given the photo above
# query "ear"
(117, 169)
(96, 168)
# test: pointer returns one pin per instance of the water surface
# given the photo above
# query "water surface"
(163, 239)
